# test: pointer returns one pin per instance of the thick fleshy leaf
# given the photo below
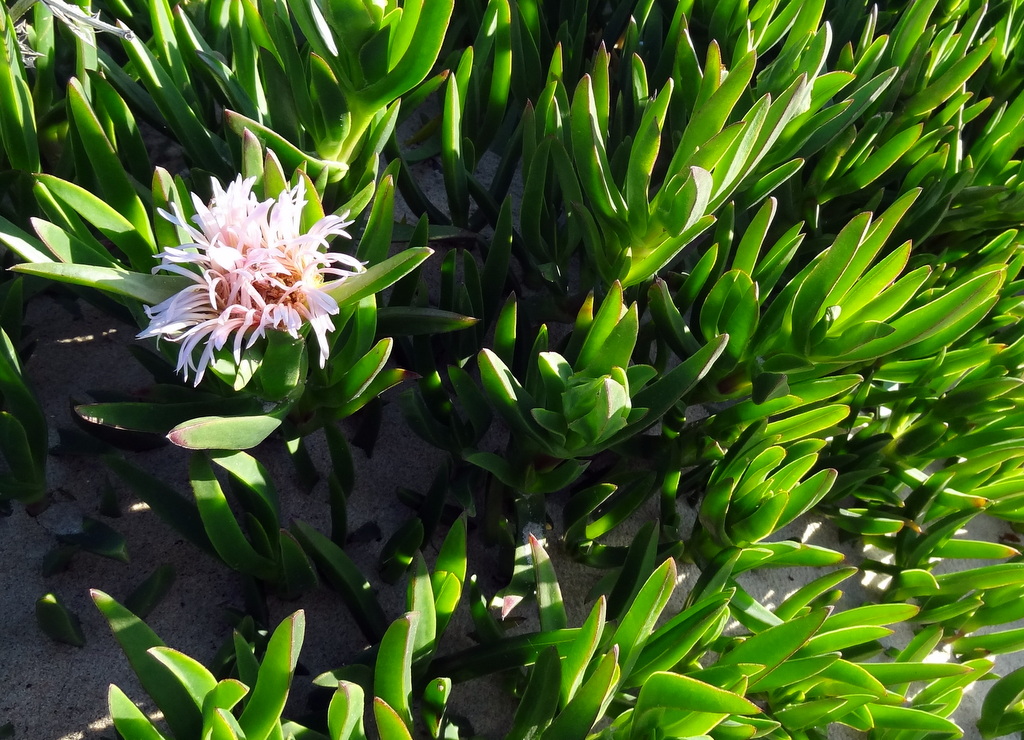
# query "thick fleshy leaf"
(580, 651)
(775, 644)
(106, 219)
(504, 652)
(345, 713)
(148, 594)
(157, 418)
(540, 699)
(57, 622)
(643, 613)
(392, 676)
(136, 639)
(263, 711)
(549, 595)
(191, 673)
(343, 575)
(221, 526)
(1002, 702)
(150, 289)
(389, 724)
(223, 432)
(99, 538)
(665, 696)
(400, 321)
(377, 277)
(584, 709)
(906, 718)
(129, 720)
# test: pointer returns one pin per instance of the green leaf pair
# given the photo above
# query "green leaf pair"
(194, 703)
(269, 553)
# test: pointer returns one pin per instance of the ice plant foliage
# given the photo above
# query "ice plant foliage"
(707, 268)
(254, 269)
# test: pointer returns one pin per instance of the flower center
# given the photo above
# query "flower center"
(275, 294)
(278, 292)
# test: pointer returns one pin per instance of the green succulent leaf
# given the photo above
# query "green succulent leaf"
(261, 717)
(149, 289)
(221, 526)
(585, 708)
(393, 673)
(129, 720)
(135, 638)
(907, 718)
(390, 724)
(1001, 708)
(192, 674)
(540, 700)
(223, 432)
(148, 594)
(344, 576)
(665, 698)
(345, 713)
(57, 622)
(776, 644)
(377, 277)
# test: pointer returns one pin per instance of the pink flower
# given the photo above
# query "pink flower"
(253, 269)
